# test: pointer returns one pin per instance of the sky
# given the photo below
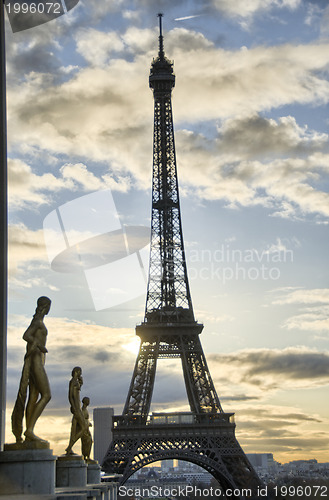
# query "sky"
(251, 120)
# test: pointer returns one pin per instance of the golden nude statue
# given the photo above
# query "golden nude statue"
(79, 424)
(86, 438)
(34, 379)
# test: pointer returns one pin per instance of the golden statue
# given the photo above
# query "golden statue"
(34, 377)
(86, 438)
(79, 425)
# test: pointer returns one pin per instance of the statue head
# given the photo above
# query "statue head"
(77, 375)
(43, 305)
(76, 372)
(85, 401)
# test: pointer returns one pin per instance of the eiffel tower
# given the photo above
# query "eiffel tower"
(205, 435)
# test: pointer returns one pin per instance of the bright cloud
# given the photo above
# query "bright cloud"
(28, 188)
(314, 317)
(302, 296)
(242, 9)
(97, 47)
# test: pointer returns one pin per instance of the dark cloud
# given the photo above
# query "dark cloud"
(170, 388)
(74, 353)
(270, 428)
(45, 48)
(286, 445)
(239, 398)
(275, 426)
(272, 368)
(255, 135)
(267, 415)
(320, 3)
(35, 50)
(103, 356)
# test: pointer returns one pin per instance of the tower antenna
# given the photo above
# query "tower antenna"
(161, 51)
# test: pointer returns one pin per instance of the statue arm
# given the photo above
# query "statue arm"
(30, 337)
(29, 334)
(74, 398)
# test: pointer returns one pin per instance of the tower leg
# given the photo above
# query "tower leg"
(199, 385)
(141, 387)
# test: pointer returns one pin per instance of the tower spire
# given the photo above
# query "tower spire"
(162, 78)
(161, 51)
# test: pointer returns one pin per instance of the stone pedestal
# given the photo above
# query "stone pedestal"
(71, 470)
(93, 473)
(25, 469)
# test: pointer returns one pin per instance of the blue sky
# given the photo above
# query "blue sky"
(251, 125)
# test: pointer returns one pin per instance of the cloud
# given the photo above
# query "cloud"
(187, 41)
(273, 369)
(27, 188)
(108, 127)
(242, 9)
(313, 318)
(232, 76)
(238, 10)
(287, 432)
(290, 416)
(229, 167)
(248, 80)
(78, 176)
(40, 50)
(96, 46)
(304, 296)
(25, 245)
(255, 136)
(89, 117)
(26, 55)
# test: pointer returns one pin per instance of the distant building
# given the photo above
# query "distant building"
(167, 465)
(102, 431)
(263, 461)
(183, 465)
(202, 476)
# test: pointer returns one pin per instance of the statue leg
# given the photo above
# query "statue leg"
(38, 385)
(72, 436)
(86, 443)
(17, 416)
(32, 399)
(77, 430)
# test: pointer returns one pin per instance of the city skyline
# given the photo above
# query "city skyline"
(250, 112)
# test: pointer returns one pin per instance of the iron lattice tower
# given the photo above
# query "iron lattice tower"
(205, 435)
